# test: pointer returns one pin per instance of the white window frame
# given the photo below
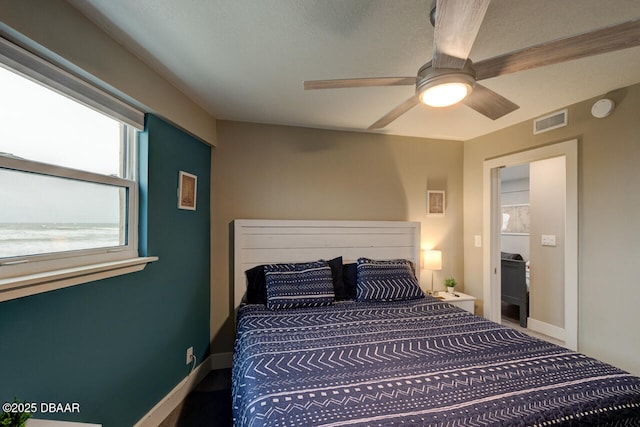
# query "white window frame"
(27, 275)
(28, 264)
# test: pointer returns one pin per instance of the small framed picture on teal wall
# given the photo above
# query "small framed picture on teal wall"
(187, 191)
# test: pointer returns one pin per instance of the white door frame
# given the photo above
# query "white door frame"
(491, 231)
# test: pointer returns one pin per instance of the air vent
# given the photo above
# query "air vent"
(551, 121)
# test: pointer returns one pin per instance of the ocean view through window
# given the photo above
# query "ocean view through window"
(56, 220)
(68, 194)
(40, 238)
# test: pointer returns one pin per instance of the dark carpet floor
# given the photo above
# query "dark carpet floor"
(208, 405)
(206, 408)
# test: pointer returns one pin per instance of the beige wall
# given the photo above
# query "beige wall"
(547, 211)
(278, 172)
(609, 238)
(63, 31)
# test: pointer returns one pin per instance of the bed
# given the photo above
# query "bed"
(397, 358)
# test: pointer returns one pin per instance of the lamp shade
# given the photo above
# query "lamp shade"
(433, 260)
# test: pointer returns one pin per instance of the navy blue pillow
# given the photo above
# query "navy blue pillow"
(257, 284)
(387, 280)
(350, 280)
(338, 281)
(299, 285)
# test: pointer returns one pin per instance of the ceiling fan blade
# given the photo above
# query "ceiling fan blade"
(395, 113)
(489, 103)
(456, 27)
(363, 82)
(603, 40)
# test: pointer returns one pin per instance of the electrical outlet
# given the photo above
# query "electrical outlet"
(189, 354)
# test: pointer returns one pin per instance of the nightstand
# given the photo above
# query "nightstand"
(464, 301)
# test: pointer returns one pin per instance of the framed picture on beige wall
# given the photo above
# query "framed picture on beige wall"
(187, 191)
(435, 202)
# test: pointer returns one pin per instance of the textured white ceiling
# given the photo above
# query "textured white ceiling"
(246, 60)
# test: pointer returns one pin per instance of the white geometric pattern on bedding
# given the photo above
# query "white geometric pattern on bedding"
(386, 280)
(299, 285)
(414, 362)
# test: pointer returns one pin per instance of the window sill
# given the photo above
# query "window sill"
(22, 286)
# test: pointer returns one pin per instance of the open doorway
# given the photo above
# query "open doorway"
(566, 153)
(515, 232)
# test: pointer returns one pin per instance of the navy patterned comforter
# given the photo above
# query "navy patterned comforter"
(419, 362)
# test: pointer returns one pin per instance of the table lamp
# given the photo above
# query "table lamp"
(433, 262)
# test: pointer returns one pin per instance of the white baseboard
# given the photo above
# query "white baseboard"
(546, 328)
(158, 413)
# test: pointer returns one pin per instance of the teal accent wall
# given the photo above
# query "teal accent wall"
(117, 346)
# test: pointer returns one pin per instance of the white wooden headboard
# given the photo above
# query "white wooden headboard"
(259, 242)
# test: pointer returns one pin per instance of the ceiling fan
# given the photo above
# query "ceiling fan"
(451, 77)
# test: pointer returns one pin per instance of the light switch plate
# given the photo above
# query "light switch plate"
(548, 240)
(477, 241)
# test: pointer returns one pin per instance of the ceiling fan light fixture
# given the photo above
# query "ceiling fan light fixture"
(442, 87)
(445, 94)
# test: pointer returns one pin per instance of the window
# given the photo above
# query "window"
(68, 190)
